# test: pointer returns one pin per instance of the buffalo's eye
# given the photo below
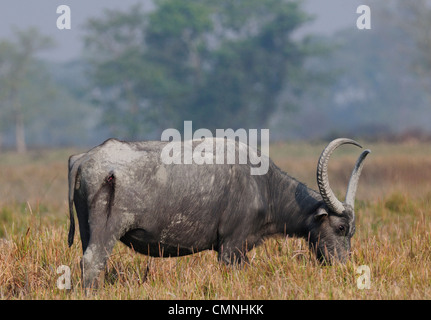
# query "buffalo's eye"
(341, 228)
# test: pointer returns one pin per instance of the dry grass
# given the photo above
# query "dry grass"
(393, 237)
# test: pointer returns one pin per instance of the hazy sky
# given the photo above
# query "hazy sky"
(330, 15)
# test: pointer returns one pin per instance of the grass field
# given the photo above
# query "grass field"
(393, 237)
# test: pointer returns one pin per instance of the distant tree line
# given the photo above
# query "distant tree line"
(221, 64)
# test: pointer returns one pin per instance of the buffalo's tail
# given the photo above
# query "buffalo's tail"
(73, 175)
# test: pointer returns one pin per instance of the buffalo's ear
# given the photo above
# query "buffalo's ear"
(320, 213)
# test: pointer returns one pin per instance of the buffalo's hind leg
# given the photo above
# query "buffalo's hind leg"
(103, 237)
(106, 227)
(93, 262)
(104, 234)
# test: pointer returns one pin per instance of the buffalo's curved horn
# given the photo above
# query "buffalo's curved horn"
(326, 192)
(354, 178)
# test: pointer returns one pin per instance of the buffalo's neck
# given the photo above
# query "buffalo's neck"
(292, 204)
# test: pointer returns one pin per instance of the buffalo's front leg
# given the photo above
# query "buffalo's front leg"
(233, 253)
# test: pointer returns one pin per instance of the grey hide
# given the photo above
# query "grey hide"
(123, 191)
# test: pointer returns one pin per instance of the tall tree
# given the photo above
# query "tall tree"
(378, 87)
(16, 60)
(257, 61)
(115, 50)
(219, 64)
(414, 19)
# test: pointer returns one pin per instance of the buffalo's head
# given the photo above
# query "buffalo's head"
(332, 225)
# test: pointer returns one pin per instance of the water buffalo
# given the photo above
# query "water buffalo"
(124, 191)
